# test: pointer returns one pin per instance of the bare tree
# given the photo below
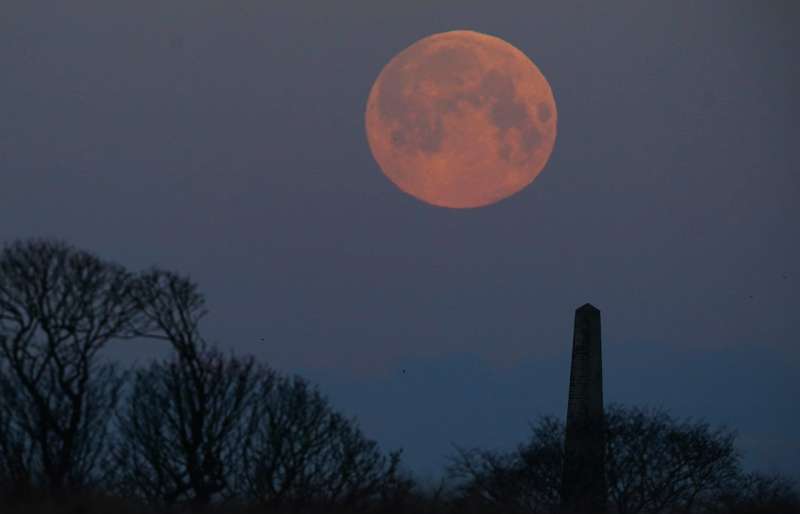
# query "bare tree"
(290, 446)
(183, 426)
(190, 424)
(210, 427)
(654, 464)
(658, 464)
(58, 307)
(756, 493)
(182, 422)
(171, 308)
(527, 480)
(303, 453)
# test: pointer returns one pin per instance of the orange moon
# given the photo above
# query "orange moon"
(461, 119)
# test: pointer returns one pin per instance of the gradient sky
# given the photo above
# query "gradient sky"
(226, 140)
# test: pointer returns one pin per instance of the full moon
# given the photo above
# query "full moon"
(461, 119)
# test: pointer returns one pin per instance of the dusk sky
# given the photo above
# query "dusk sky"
(226, 140)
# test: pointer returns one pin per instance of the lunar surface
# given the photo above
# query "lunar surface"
(461, 119)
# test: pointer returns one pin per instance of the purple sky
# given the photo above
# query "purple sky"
(226, 140)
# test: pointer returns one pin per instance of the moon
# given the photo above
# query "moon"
(461, 119)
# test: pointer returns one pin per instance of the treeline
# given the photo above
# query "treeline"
(205, 429)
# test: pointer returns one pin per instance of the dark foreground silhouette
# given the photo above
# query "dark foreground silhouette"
(417, 503)
(206, 431)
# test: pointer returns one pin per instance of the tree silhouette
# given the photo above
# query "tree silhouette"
(527, 480)
(182, 428)
(179, 429)
(194, 422)
(759, 494)
(302, 453)
(58, 307)
(171, 308)
(202, 426)
(658, 464)
(654, 464)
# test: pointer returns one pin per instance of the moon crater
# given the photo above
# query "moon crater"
(461, 119)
